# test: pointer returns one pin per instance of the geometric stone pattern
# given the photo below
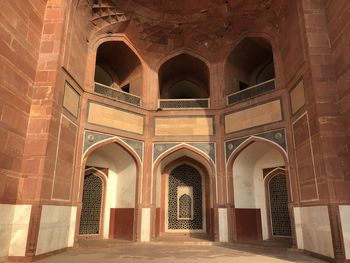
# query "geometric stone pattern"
(207, 147)
(279, 206)
(251, 92)
(91, 138)
(185, 175)
(159, 148)
(185, 207)
(117, 95)
(137, 146)
(277, 136)
(182, 104)
(91, 209)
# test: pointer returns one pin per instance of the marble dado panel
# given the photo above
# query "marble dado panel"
(56, 230)
(115, 118)
(71, 100)
(313, 230)
(184, 126)
(145, 224)
(206, 147)
(14, 226)
(276, 136)
(258, 115)
(91, 138)
(345, 225)
(223, 225)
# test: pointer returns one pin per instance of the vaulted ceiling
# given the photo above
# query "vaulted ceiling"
(184, 22)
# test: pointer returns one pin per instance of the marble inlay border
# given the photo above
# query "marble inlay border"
(276, 136)
(91, 138)
(206, 147)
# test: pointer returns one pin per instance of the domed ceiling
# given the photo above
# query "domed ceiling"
(184, 22)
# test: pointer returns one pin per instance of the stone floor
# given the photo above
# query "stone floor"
(167, 253)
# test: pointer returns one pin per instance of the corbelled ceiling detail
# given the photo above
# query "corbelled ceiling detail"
(193, 23)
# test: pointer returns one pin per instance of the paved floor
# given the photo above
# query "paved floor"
(164, 253)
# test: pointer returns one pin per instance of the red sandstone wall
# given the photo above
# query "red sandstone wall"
(77, 44)
(291, 46)
(21, 25)
(338, 20)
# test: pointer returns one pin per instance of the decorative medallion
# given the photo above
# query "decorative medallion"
(91, 138)
(277, 136)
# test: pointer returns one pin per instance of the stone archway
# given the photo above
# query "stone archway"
(163, 168)
(250, 193)
(121, 168)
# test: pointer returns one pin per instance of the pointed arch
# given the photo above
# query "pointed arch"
(178, 52)
(184, 67)
(96, 42)
(170, 162)
(231, 159)
(129, 150)
(190, 150)
(246, 34)
(138, 165)
(202, 158)
(278, 66)
(251, 140)
(114, 139)
(230, 166)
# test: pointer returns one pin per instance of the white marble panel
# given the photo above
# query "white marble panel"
(20, 230)
(14, 225)
(71, 232)
(56, 227)
(345, 224)
(313, 230)
(223, 229)
(298, 228)
(145, 224)
(7, 214)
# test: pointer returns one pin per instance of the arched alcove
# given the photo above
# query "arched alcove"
(250, 63)
(119, 193)
(163, 168)
(118, 67)
(184, 77)
(251, 166)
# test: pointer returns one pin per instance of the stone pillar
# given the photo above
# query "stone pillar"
(327, 131)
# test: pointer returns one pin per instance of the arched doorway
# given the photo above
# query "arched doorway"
(118, 191)
(260, 191)
(177, 163)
